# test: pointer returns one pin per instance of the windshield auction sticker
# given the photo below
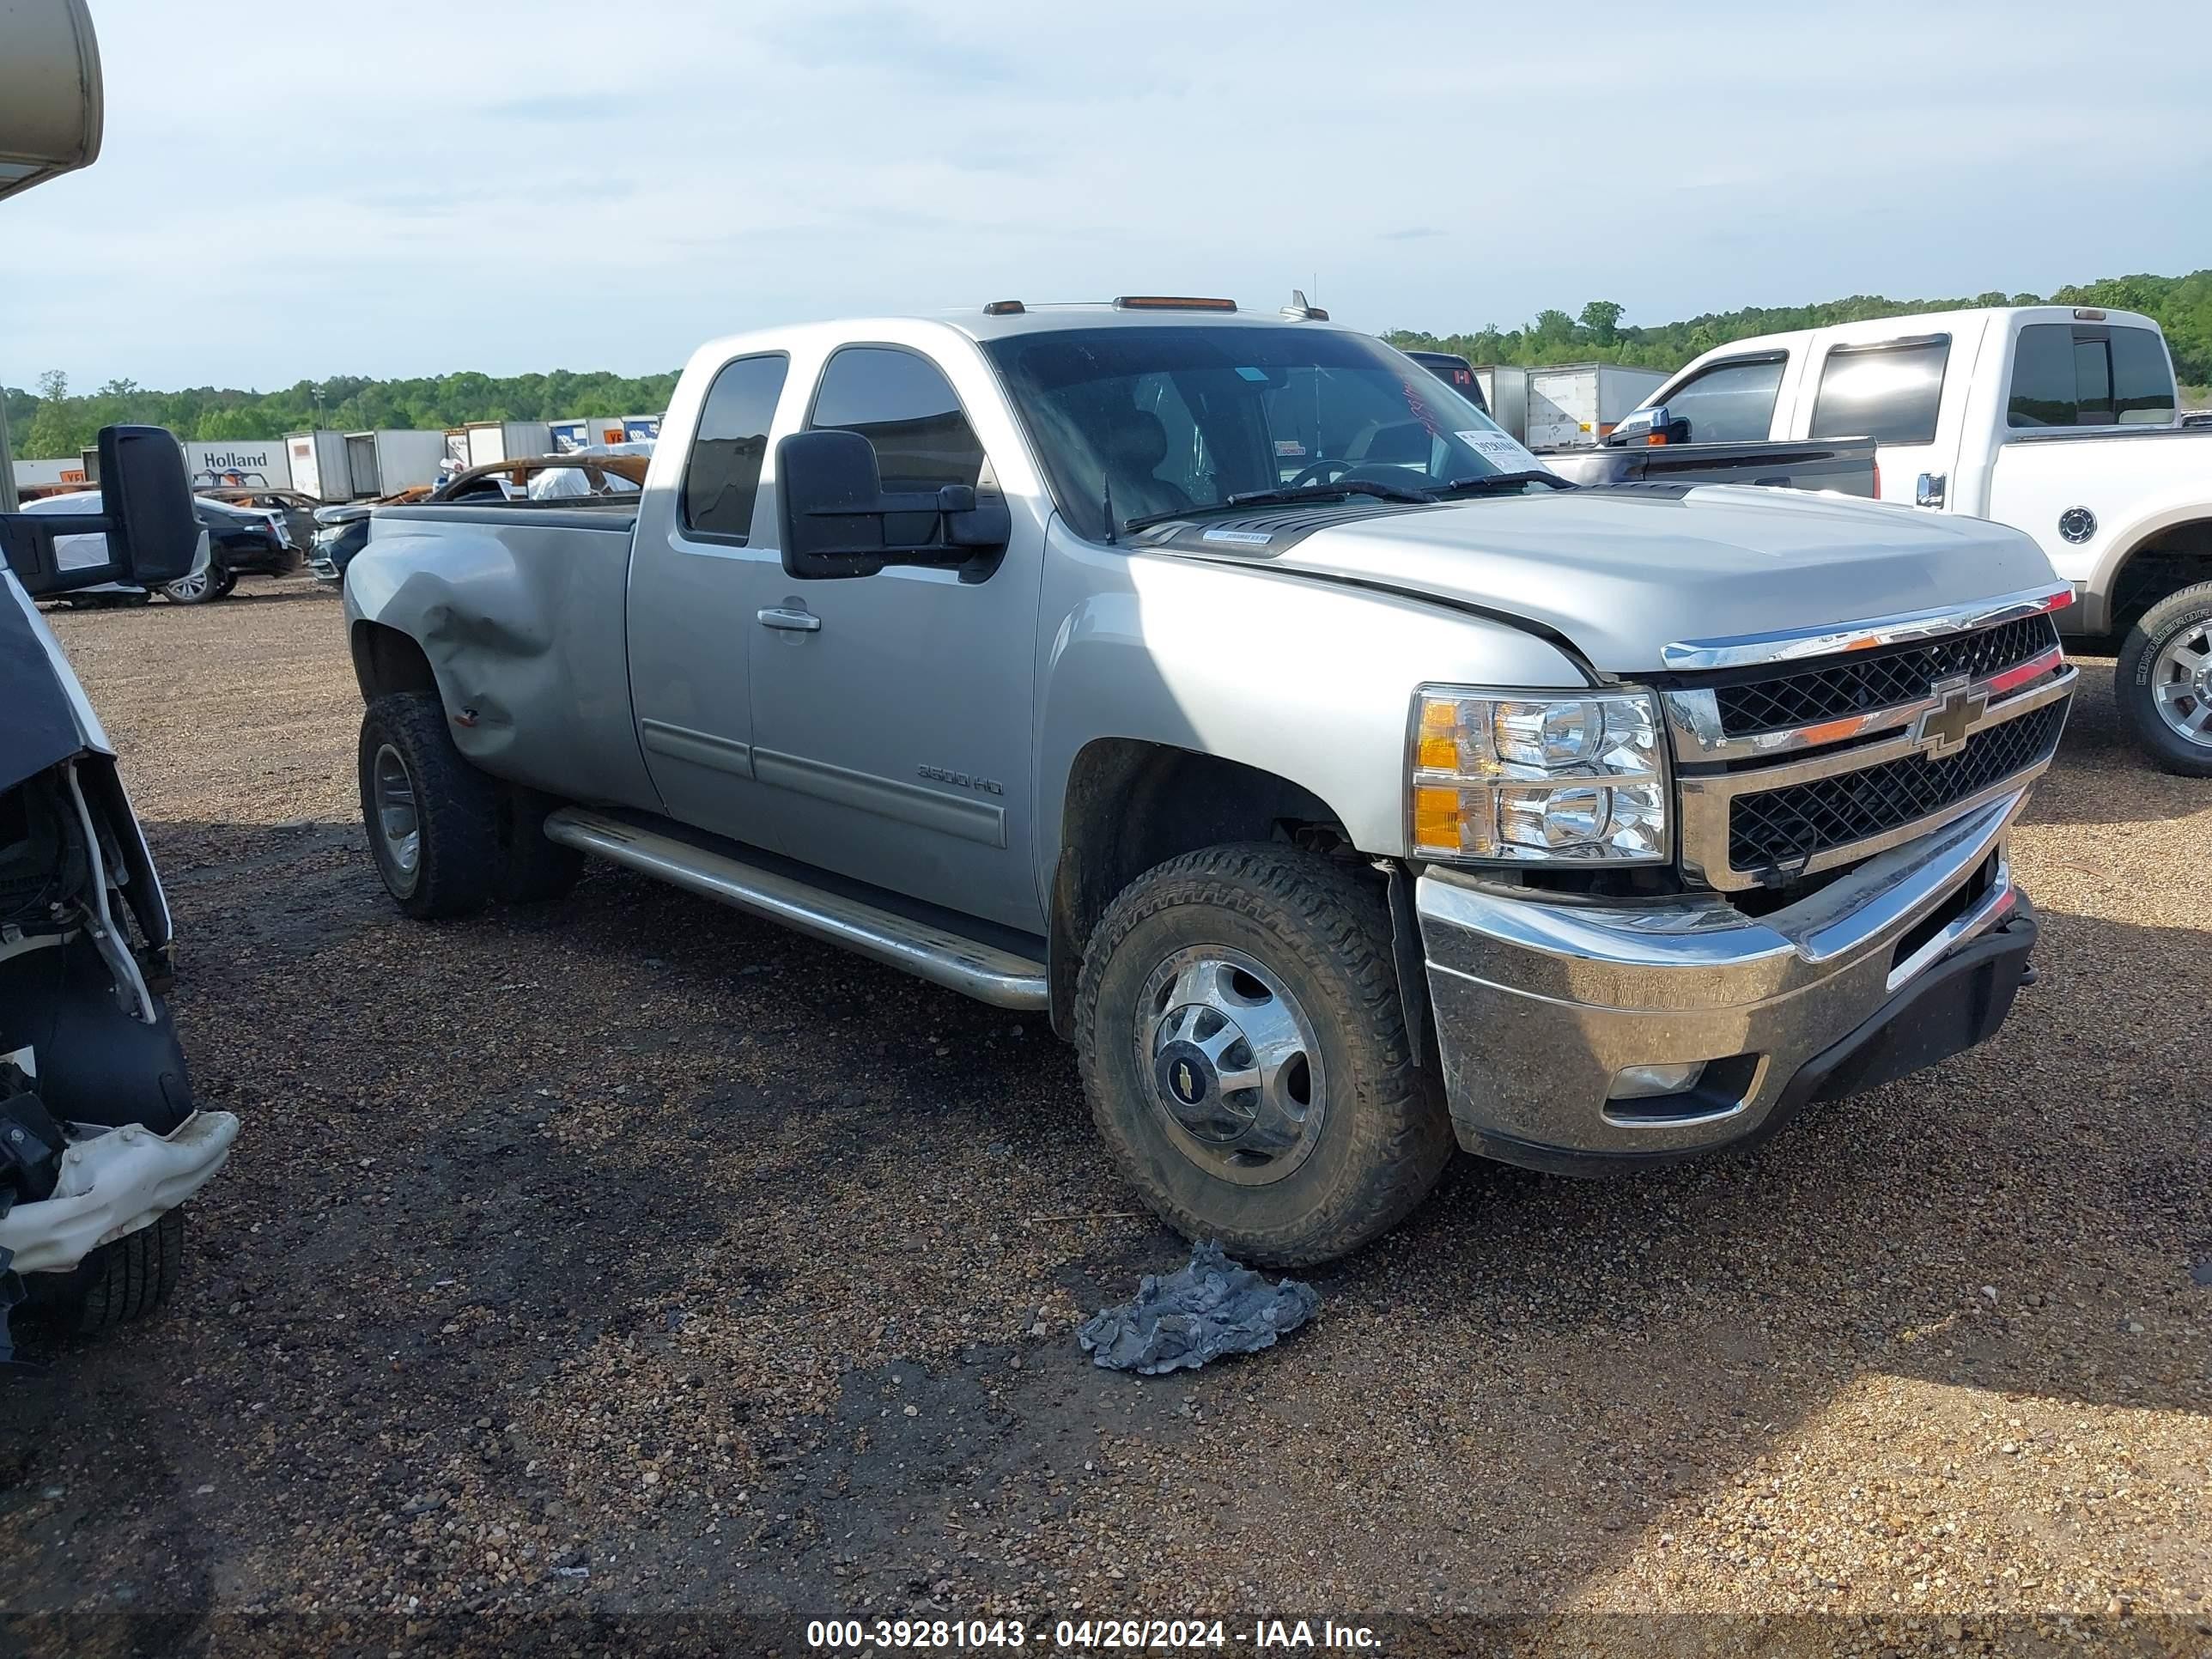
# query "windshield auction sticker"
(1500, 450)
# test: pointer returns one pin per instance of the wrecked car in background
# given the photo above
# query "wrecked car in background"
(101, 1138)
(604, 470)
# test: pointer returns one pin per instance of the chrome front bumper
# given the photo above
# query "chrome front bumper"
(1539, 1004)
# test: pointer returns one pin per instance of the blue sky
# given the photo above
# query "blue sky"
(294, 191)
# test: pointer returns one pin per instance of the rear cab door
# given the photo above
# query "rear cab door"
(1905, 384)
(700, 534)
(2087, 373)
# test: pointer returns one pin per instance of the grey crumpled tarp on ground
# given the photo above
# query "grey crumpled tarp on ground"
(1211, 1308)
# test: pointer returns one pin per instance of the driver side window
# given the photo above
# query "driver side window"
(902, 403)
(1729, 403)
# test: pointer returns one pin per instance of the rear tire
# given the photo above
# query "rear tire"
(2164, 682)
(432, 817)
(123, 1279)
(1294, 949)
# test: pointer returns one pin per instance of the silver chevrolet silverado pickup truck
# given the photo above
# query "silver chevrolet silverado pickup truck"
(1342, 784)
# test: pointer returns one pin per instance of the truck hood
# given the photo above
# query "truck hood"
(1623, 573)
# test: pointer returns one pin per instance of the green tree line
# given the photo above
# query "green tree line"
(54, 422)
(2181, 305)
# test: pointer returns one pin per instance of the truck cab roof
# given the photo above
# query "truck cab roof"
(985, 323)
(1925, 322)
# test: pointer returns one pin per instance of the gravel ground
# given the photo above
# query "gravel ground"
(628, 1273)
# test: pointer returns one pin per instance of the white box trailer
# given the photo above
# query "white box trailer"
(384, 463)
(507, 441)
(586, 432)
(1572, 404)
(1505, 395)
(246, 461)
(318, 465)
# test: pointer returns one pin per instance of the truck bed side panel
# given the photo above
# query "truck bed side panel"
(2113, 489)
(522, 614)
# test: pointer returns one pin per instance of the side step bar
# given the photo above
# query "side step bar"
(981, 971)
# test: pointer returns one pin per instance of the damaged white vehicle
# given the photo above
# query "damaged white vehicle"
(101, 1139)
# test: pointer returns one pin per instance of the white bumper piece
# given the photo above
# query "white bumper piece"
(111, 1183)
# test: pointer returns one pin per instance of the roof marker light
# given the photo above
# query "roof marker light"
(1169, 303)
(1004, 308)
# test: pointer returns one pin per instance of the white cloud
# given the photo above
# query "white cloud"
(290, 190)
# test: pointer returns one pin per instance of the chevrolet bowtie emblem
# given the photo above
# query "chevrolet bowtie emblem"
(1942, 729)
(1186, 1085)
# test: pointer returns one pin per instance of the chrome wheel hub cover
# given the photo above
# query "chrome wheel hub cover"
(1234, 1063)
(397, 820)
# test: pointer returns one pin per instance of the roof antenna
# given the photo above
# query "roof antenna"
(1112, 539)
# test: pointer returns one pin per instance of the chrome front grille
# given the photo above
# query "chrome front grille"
(1782, 828)
(1818, 763)
(1880, 678)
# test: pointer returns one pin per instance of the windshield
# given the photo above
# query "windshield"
(1179, 418)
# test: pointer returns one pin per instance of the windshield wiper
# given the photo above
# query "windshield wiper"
(1489, 483)
(1290, 497)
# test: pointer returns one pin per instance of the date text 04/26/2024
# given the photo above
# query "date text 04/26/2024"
(1124, 1635)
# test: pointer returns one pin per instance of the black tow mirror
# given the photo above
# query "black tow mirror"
(838, 521)
(146, 514)
(144, 488)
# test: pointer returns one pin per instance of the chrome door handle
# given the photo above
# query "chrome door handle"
(800, 622)
(1928, 489)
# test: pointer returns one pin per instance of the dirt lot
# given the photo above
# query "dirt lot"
(629, 1274)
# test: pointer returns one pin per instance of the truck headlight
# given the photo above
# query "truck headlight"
(1527, 777)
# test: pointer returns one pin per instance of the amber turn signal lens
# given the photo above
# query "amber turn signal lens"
(1436, 818)
(1439, 744)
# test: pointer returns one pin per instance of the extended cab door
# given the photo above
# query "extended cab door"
(691, 639)
(1907, 391)
(892, 713)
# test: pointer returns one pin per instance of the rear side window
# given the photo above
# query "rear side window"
(1729, 403)
(1886, 393)
(2066, 375)
(721, 480)
(2142, 379)
(904, 405)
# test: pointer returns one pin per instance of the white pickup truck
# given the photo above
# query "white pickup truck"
(2060, 421)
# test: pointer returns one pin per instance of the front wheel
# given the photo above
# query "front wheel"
(201, 586)
(123, 1279)
(2164, 680)
(1242, 1042)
